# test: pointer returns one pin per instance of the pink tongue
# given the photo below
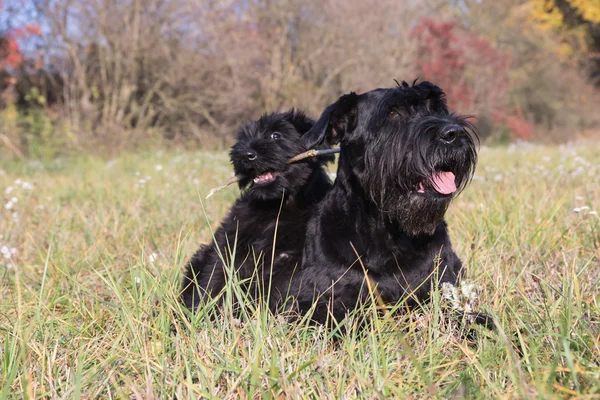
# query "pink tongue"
(443, 182)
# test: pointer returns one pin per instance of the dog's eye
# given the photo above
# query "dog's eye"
(275, 135)
(393, 114)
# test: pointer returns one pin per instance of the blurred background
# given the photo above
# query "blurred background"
(104, 76)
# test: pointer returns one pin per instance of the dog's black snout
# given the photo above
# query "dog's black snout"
(251, 154)
(450, 133)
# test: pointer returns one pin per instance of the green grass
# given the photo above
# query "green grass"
(88, 302)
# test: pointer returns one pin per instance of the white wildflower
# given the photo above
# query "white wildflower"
(9, 190)
(137, 280)
(18, 182)
(9, 205)
(578, 198)
(4, 250)
(593, 213)
(13, 250)
(196, 181)
(152, 257)
(14, 200)
(580, 209)
(15, 216)
(9, 266)
(158, 167)
(27, 186)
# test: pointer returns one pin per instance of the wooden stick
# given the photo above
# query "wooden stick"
(296, 158)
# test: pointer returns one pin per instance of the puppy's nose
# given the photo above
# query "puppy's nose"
(251, 154)
(451, 132)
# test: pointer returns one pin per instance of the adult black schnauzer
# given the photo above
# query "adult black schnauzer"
(266, 226)
(381, 228)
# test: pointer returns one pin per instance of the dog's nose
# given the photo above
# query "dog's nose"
(449, 133)
(251, 154)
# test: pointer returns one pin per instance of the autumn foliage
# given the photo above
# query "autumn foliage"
(118, 73)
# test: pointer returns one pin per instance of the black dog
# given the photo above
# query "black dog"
(380, 229)
(273, 210)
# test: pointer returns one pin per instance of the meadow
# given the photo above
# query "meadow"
(91, 257)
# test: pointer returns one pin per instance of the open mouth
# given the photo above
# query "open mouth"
(442, 182)
(265, 178)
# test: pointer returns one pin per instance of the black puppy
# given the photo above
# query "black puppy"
(277, 201)
(403, 158)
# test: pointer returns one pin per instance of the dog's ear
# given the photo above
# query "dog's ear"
(337, 120)
(432, 96)
(301, 122)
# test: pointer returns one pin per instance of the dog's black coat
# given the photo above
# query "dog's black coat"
(374, 222)
(283, 205)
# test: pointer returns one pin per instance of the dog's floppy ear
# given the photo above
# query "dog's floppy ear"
(301, 122)
(337, 119)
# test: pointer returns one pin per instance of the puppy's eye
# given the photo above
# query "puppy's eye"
(275, 135)
(393, 114)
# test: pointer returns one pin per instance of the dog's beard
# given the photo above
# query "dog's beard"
(416, 214)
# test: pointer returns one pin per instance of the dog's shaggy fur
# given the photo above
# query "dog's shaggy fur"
(277, 198)
(403, 158)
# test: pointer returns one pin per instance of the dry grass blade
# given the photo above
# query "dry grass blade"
(296, 158)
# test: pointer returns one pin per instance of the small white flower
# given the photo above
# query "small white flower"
(18, 182)
(7, 256)
(158, 167)
(152, 257)
(9, 205)
(15, 216)
(579, 198)
(593, 213)
(498, 177)
(148, 178)
(4, 250)
(137, 280)
(1, 237)
(196, 181)
(580, 209)
(27, 186)
(9, 266)
(9, 190)
(14, 200)
(137, 174)
(13, 250)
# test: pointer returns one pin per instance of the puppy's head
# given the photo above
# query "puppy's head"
(408, 152)
(263, 149)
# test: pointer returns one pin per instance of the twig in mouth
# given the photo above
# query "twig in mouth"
(296, 158)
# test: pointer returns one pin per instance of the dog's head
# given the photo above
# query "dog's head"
(410, 155)
(262, 152)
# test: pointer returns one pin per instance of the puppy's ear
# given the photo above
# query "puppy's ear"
(337, 120)
(301, 122)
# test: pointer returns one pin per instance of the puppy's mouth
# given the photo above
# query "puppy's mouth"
(443, 182)
(264, 179)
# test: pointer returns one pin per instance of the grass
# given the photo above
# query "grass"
(88, 301)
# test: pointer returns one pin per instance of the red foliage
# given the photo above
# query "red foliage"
(441, 59)
(519, 127)
(473, 73)
(33, 29)
(10, 51)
